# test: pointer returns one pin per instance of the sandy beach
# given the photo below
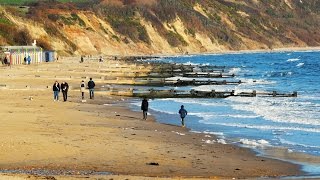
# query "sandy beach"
(102, 138)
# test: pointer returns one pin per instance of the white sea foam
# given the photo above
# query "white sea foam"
(195, 64)
(283, 141)
(181, 134)
(267, 127)
(300, 64)
(214, 133)
(208, 141)
(221, 141)
(215, 87)
(254, 143)
(243, 116)
(203, 102)
(204, 116)
(282, 110)
(255, 81)
(209, 116)
(234, 70)
(293, 59)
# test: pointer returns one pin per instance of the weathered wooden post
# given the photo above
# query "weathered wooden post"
(254, 93)
(179, 82)
(192, 92)
(213, 93)
(172, 92)
(131, 91)
(295, 94)
(274, 93)
(152, 92)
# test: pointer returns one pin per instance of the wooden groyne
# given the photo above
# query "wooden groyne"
(179, 82)
(208, 75)
(152, 93)
(173, 93)
(189, 75)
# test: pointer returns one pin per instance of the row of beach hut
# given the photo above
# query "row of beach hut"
(16, 54)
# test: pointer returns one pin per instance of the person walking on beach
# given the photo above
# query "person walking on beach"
(82, 89)
(144, 108)
(64, 89)
(183, 113)
(29, 59)
(56, 90)
(91, 86)
(5, 60)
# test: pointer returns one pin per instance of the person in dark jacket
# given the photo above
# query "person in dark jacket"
(64, 89)
(5, 60)
(144, 108)
(183, 113)
(91, 86)
(56, 90)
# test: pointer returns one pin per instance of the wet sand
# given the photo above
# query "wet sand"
(75, 140)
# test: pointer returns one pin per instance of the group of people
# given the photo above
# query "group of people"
(82, 59)
(27, 60)
(56, 88)
(64, 87)
(5, 61)
(145, 106)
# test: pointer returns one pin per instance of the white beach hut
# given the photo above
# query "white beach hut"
(16, 54)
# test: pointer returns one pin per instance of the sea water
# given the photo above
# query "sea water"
(292, 123)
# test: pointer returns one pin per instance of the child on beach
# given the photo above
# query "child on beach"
(183, 113)
(82, 89)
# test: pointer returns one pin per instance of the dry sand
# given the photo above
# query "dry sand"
(75, 140)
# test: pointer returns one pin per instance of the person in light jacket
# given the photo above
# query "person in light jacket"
(82, 89)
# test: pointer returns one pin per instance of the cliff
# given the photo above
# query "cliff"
(127, 27)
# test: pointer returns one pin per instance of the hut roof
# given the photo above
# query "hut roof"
(8, 48)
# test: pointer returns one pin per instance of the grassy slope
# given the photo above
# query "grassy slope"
(23, 2)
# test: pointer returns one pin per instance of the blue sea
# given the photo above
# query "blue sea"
(289, 123)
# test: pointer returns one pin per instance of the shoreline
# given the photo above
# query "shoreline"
(283, 49)
(305, 161)
(181, 137)
(104, 135)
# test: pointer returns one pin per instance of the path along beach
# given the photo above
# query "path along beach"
(102, 138)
